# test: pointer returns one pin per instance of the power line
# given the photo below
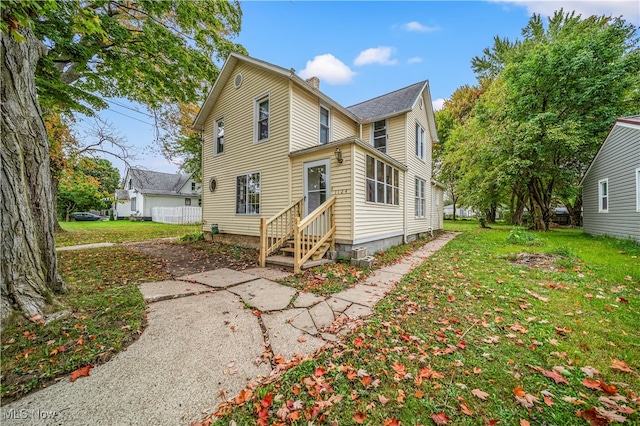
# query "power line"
(128, 107)
(133, 118)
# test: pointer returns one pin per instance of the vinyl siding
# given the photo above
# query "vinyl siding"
(159, 201)
(373, 220)
(340, 183)
(437, 215)
(305, 124)
(418, 168)
(617, 161)
(241, 155)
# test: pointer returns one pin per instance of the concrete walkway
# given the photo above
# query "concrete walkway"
(202, 345)
(85, 246)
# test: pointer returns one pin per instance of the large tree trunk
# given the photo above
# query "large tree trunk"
(541, 212)
(575, 211)
(29, 269)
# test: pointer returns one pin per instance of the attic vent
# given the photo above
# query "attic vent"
(237, 82)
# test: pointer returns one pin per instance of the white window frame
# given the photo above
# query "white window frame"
(386, 135)
(638, 189)
(420, 144)
(328, 126)
(246, 196)
(256, 112)
(389, 183)
(602, 195)
(216, 137)
(134, 204)
(421, 198)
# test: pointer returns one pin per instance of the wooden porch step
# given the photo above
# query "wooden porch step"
(287, 262)
(323, 248)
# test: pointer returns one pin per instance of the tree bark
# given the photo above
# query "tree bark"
(28, 264)
(541, 215)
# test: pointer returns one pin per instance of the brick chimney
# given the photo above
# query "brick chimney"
(314, 82)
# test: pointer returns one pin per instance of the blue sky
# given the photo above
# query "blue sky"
(363, 49)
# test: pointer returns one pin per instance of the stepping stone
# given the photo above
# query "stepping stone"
(304, 300)
(268, 273)
(362, 294)
(285, 339)
(303, 321)
(383, 280)
(154, 292)
(400, 268)
(358, 311)
(322, 315)
(264, 295)
(338, 305)
(220, 278)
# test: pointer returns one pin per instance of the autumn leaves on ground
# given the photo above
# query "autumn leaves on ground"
(479, 335)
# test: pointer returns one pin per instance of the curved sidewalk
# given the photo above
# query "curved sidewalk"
(202, 345)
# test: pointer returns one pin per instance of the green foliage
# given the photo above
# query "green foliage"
(521, 236)
(192, 237)
(550, 100)
(118, 231)
(469, 319)
(106, 315)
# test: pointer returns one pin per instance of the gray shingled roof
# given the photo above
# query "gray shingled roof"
(122, 194)
(390, 104)
(157, 183)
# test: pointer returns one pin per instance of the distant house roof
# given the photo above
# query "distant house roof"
(122, 194)
(156, 183)
(393, 103)
(632, 121)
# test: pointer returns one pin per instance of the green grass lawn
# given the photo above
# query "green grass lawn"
(470, 337)
(117, 231)
(106, 313)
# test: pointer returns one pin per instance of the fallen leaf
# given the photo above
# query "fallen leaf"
(547, 400)
(620, 365)
(319, 372)
(383, 399)
(480, 394)
(440, 418)
(524, 422)
(555, 376)
(465, 409)
(610, 389)
(244, 396)
(592, 416)
(302, 339)
(590, 371)
(592, 384)
(391, 422)
(80, 372)
(359, 417)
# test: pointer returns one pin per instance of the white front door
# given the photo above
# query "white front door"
(316, 184)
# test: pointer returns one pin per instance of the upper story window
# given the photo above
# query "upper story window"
(380, 135)
(420, 148)
(262, 119)
(130, 184)
(248, 194)
(193, 186)
(325, 123)
(603, 196)
(219, 144)
(382, 182)
(421, 198)
(187, 201)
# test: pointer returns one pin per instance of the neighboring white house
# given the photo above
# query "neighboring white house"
(144, 189)
(611, 185)
(460, 211)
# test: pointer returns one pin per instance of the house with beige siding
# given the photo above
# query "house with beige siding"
(611, 185)
(288, 169)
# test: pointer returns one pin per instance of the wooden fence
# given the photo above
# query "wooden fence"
(177, 215)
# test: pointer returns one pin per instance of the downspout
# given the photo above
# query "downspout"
(405, 218)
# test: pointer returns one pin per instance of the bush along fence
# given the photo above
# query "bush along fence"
(177, 215)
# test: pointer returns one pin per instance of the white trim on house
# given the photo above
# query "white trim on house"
(326, 162)
(246, 198)
(638, 189)
(603, 194)
(420, 141)
(321, 125)
(421, 198)
(216, 136)
(256, 117)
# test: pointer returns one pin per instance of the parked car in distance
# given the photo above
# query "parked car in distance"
(85, 216)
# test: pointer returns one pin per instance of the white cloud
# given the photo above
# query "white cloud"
(414, 60)
(376, 55)
(627, 9)
(416, 26)
(438, 104)
(328, 69)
